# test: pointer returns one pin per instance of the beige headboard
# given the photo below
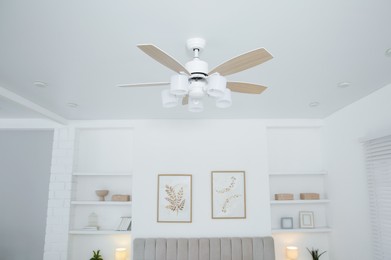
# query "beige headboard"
(235, 248)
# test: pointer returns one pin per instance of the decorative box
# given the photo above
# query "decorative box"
(309, 196)
(118, 197)
(283, 196)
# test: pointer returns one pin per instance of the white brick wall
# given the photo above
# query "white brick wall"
(60, 192)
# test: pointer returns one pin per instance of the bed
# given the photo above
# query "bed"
(224, 248)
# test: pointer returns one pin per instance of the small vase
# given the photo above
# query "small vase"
(102, 194)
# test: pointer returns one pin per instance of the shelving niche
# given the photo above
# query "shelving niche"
(295, 160)
(103, 161)
(296, 183)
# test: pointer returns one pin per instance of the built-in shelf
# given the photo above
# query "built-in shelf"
(98, 232)
(96, 202)
(285, 174)
(287, 202)
(295, 182)
(303, 230)
(102, 173)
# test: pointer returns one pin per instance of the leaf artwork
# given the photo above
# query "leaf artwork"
(229, 188)
(175, 199)
(227, 202)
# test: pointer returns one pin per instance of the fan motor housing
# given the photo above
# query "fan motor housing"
(197, 66)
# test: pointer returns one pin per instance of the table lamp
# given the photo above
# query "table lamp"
(292, 252)
(120, 254)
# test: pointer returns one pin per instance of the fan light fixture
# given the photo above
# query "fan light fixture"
(194, 81)
(168, 99)
(196, 88)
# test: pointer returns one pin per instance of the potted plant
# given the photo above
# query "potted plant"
(96, 255)
(315, 253)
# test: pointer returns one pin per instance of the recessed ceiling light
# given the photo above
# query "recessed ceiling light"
(388, 52)
(314, 104)
(344, 84)
(72, 105)
(40, 84)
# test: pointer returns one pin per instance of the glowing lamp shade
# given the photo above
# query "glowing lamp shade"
(179, 85)
(196, 89)
(292, 252)
(225, 101)
(168, 99)
(216, 86)
(195, 105)
(120, 254)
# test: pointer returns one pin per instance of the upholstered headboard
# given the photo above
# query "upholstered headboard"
(236, 248)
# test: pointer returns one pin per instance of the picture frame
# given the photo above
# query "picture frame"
(287, 223)
(174, 198)
(306, 219)
(228, 194)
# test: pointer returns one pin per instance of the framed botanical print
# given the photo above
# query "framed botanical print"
(306, 219)
(228, 194)
(174, 201)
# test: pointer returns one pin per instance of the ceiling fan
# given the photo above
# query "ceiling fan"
(194, 80)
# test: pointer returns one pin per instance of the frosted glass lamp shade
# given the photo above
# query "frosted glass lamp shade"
(179, 85)
(168, 99)
(120, 254)
(225, 101)
(292, 252)
(196, 89)
(195, 105)
(216, 86)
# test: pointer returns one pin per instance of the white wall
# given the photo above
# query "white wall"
(198, 147)
(25, 168)
(201, 146)
(368, 117)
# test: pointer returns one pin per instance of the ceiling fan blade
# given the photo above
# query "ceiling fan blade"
(162, 57)
(152, 84)
(185, 100)
(243, 62)
(243, 87)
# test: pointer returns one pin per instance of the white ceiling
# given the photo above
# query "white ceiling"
(10, 109)
(82, 49)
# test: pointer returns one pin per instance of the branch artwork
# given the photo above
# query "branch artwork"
(174, 203)
(228, 194)
(175, 199)
(229, 188)
(228, 200)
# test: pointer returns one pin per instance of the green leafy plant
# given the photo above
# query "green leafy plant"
(315, 253)
(96, 255)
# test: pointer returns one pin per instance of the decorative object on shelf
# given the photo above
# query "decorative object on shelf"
(306, 219)
(102, 194)
(125, 224)
(292, 252)
(283, 196)
(228, 194)
(92, 222)
(315, 253)
(174, 198)
(96, 255)
(309, 196)
(287, 223)
(118, 197)
(120, 254)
